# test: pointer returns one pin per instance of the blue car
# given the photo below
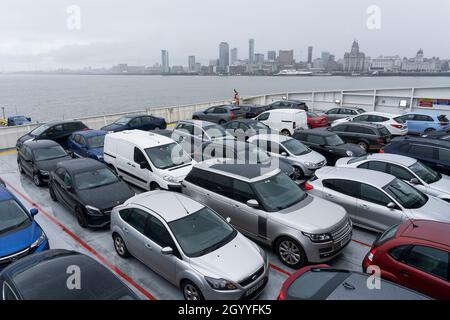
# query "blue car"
(139, 122)
(426, 122)
(87, 144)
(20, 234)
(18, 121)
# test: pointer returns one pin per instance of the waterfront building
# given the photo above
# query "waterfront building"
(386, 64)
(233, 56)
(259, 58)
(271, 55)
(286, 57)
(420, 64)
(165, 67)
(310, 55)
(355, 60)
(251, 51)
(224, 57)
(191, 63)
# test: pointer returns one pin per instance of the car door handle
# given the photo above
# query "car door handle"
(148, 246)
(208, 195)
(365, 206)
(404, 273)
(329, 196)
(236, 206)
(130, 164)
(125, 230)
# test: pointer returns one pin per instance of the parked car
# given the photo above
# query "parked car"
(342, 113)
(426, 122)
(376, 200)
(328, 144)
(244, 153)
(44, 276)
(439, 135)
(220, 114)
(58, 131)
(270, 208)
(147, 160)
(20, 234)
(139, 122)
(287, 104)
(414, 254)
(304, 160)
(321, 282)
(191, 134)
(392, 122)
(316, 120)
(189, 245)
(87, 144)
(90, 189)
(407, 169)
(37, 158)
(370, 137)
(18, 121)
(284, 121)
(244, 129)
(431, 152)
(251, 111)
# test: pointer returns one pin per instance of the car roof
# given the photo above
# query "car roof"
(425, 140)
(349, 107)
(5, 194)
(388, 157)
(245, 121)
(81, 165)
(294, 101)
(39, 144)
(270, 137)
(363, 124)
(318, 131)
(144, 139)
(287, 110)
(91, 133)
(55, 122)
(376, 178)
(383, 114)
(200, 123)
(427, 112)
(246, 172)
(427, 230)
(170, 206)
(235, 144)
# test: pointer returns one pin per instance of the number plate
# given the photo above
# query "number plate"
(255, 288)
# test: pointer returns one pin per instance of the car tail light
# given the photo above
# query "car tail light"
(294, 125)
(380, 140)
(231, 115)
(371, 255)
(308, 186)
(281, 296)
(398, 126)
(382, 151)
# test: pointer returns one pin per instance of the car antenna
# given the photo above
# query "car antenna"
(187, 212)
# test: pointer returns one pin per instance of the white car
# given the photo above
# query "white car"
(284, 120)
(147, 160)
(393, 122)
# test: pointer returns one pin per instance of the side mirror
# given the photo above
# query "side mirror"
(414, 181)
(253, 203)
(167, 251)
(228, 219)
(34, 211)
(143, 165)
(284, 154)
(391, 205)
(183, 185)
(29, 119)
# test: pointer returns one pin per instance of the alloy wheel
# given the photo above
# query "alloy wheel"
(289, 252)
(191, 292)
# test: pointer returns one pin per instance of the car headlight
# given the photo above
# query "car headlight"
(322, 237)
(349, 153)
(39, 240)
(220, 284)
(170, 179)
(43, 173)
(93, 211)
(310, 164)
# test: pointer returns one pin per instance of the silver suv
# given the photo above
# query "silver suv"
(267, 206)
(189, 245)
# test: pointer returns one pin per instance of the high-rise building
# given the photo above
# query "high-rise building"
(286, 57)
(191, 63)
(165, 68)
(310, 54)
(271, 55)
(259, 58)
(233, 56)
(224, 57)
(251, 51)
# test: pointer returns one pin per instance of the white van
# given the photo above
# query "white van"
(150, 161)
(284, 120)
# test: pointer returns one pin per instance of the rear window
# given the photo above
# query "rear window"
(315, 285)
(443, 118)
(384, 132)
(399, 119)
(387, 235)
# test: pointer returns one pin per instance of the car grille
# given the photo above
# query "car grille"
(252, 277)
(14, 257)
(342, 231)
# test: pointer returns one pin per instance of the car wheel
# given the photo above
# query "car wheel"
(285, 132)
(363, 145)
(291, 253)
(81, 218)
(52, 194)
(298, 173)
(19, 166)
(222, 122)
(195, 118)
(120, 246)
(154, 186)
(37, 181)
(429, 130)
(191, 291)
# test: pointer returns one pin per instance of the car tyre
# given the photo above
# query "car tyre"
(37, 180)
(291, 253)
(120, 246)
(285, 132)
(52, 194)
(299, 173)
(363, 145)
(430, 130)
(191, 291)
(81, 218)
(222, 122)
(19, 166)
(154, 186)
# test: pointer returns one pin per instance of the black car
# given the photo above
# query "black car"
(38, 158)
(57, 131)
(61, 275)
(287, 104)
(433, 152)
(328, 143)
(246, 128)
(440, 135)
(140, 122)
(90, 189)
(370, 137)
(251, 111)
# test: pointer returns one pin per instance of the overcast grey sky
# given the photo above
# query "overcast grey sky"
(34, 33)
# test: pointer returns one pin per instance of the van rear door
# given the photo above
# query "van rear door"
(301, 120)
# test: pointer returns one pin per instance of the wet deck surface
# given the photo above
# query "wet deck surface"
(64, 232)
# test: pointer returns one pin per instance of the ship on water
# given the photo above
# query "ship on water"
(290, 72)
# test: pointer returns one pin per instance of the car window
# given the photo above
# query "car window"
(221, 184)
(264, 116)
(374, 165)
(67, 179)
(146, 120)
(374, 118)
(8, 293)
(139, 156)
(408, 117)
(158, 233)
(187, 128)
(301, 136)
(333, 111)
(341, 128)
(243, 126)
(242, 191)
(443, 118)
(233, 125)
(82, 141)
(400, 172)
(429, 260)
(444, 155)
(353, 112)
(54, 131)
(361, 130)
(264, 145)
(362, 118)
(345, 111)
(422, 117)
(71, 127)
(347, 187)
(314, 139)
(421, 151)
(372, 194)
(199, 177)
(136, 122)
(399, 252)
(137, 219)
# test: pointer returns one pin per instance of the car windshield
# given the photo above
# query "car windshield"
(357, 159)
(96, 142)
(361, 111)
(253, 154)
(278, 192)
(384, 132)
(312, 114)
(408, 196)
(12, 216)
(443, 118)
(49, 153)
(334, 140)
(202, 232)
(20, 118)
(258, 126)
(39, 130)
(296, 147)
(168, 156)
(217, 132)
(425, 173)
(123, 121)
(94, 179)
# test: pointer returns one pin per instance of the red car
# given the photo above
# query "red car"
(414, 254)
(316, 121)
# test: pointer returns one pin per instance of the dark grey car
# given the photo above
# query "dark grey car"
(220, 114)
(342, 112)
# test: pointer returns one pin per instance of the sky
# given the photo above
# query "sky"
(51, 34)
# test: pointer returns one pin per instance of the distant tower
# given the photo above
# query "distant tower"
(191, 63)
(224, 56)
(233, 56)
(251, 51)
(271, 55)
(165, 61)
(310, 54)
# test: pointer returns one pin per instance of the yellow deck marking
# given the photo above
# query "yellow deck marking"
(6, 152)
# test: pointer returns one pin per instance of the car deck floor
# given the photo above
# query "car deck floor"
(64, 232)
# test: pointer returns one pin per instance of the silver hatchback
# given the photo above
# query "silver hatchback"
(376, 200)
(189, 245)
